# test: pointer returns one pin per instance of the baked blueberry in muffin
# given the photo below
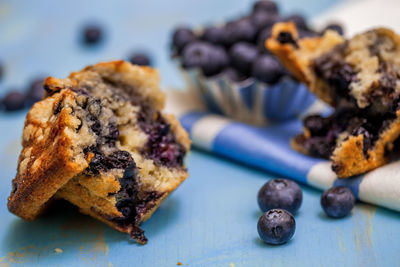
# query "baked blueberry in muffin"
(100, 140)
(360, 77)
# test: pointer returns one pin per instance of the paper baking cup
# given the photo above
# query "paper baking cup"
(250, 101)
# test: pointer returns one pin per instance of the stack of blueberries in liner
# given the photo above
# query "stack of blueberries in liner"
(280, 199)
(91, 35)
(237, 48)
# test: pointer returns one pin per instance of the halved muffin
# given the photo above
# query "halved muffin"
(360, 77)
(99, 140)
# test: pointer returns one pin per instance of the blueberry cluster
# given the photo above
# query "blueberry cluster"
(237, 48)
(279, 199)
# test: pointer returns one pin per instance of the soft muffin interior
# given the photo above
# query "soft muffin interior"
(364, 70)
(136, 158)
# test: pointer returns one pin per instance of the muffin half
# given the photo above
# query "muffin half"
(360, 77)
(99, 140)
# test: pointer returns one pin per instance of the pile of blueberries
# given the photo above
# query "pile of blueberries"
(280, 199)
(237, 48)
(91, 35)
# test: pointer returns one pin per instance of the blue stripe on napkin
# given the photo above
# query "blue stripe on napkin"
(353, 184)
(189, 120)
(268, 148)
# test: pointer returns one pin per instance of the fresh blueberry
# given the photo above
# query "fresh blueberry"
(276, 226)
(299, 20)
(337, 201)
(240, 30)
(267, 68)
(266, 5)
(14, 100)
(214, 34)
(92, 34)
(262, 19)
(36, 91)
(234, 75)
(280, 194)
(140, 59)
(195, 55)
(242, 56)
(211, 59)
(218, 61)
(262, 37)
(182, 36)
(334, 26)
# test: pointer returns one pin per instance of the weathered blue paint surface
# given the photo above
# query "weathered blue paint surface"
(211, 219)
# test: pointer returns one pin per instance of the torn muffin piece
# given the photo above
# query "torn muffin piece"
(353, 140)
(99, 140)
(363, 70)
(360, 77)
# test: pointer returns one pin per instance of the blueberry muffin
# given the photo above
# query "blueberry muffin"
(360, 78)
(99, 140)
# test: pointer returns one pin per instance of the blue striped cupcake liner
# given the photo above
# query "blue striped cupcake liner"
(251, 101)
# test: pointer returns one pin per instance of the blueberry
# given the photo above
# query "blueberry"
(92, 34)
(280, 194)
(218, 61)
(97, 163)
(119, 160)
(195, 55)
(242, 56)
(240, 30)
(286, 38)
(211, 59)
(316, 124)
(262, 19)
(14, 100)
(266, 5)
(338, 201)
(267, 68)
(36, 91)
(182, 36)
(276, 226)
(334, 26)
(234, 75)
(262, 37)
(140, 59)
(214, 34)
(299, 20)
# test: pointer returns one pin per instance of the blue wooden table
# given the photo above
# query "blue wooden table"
(211, 219)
